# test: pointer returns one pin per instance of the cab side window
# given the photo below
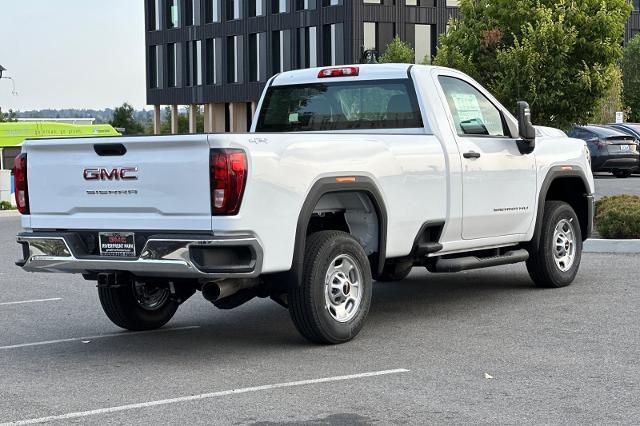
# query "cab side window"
(473, 114)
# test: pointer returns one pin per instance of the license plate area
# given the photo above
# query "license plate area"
(117, 244)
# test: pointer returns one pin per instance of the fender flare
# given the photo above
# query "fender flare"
(555, 173)
(331, 185)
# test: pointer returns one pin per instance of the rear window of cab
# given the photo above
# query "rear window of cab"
(343, 105)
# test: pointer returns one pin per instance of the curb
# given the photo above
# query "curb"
(9, 213)
(611, 246)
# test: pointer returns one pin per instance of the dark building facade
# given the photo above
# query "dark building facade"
(220, 53)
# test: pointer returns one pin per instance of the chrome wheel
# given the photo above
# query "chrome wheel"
(564, 251)
(149, 297)
(343, 288)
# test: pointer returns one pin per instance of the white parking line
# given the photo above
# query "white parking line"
(203, 396)
(102, 336)
(30, 301)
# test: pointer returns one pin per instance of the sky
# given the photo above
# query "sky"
(72, 53)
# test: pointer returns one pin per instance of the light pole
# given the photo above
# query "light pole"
(13, 83)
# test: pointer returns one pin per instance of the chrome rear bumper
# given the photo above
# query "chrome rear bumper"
(171, 256)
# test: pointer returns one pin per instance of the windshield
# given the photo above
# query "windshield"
(353, 105)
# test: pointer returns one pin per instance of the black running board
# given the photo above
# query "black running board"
(473, 262)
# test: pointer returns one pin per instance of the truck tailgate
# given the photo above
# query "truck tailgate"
(165, 186)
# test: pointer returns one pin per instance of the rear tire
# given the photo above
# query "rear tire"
(622, 174)
(129, 308)
(331, 303)
(556, 261)
(394, 271)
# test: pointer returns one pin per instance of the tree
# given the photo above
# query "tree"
(397, 52)
(123, 117)
(559, 55)
(6, 117)
(631, 78)
(611, 103)
(183, 121)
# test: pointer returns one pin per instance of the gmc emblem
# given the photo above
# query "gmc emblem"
(119, 173)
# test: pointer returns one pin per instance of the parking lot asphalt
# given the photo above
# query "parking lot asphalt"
(607, 184)
(477, 347)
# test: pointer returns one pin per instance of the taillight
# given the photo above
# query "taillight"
(20, 183)
(339, 72)
(228, 178)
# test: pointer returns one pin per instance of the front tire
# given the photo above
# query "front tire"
(331, 303)
(556, 261)
(136, 306)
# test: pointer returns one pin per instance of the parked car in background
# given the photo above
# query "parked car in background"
(611, 150)
(632, 129)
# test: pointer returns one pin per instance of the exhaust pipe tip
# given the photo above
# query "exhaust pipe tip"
(217, 290)
(211, 291)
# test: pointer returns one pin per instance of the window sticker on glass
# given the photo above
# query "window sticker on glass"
(467, 106)
(294, 118)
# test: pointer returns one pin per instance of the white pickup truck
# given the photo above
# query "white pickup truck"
(349, 174)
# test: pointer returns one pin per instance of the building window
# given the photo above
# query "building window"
(279, 6)
(453, 3)
(423, 43)
(213, 58)
(372, 1)
(636, 4)
(234, 10)
(257, 7)
(198, 62)
(327, 3)
(172, 14)
(154, 67)
(212, 10)
(257, 56)
(194, 62)
(307, 47)
(422, 3)
(188, 5)
(154, 11)
(305, 4)
(370, 31)
(172, 65)
(281, 51)
(234, 59)
(333, 44)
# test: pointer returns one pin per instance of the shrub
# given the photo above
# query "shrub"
(5, 205)
(618, 217)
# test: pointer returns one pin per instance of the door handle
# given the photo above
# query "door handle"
(471, 154)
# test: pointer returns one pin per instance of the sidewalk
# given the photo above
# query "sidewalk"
(9, 213)
(611, 246)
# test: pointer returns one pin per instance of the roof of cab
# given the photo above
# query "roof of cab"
(367, 72)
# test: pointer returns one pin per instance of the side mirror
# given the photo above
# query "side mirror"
(527, 142)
